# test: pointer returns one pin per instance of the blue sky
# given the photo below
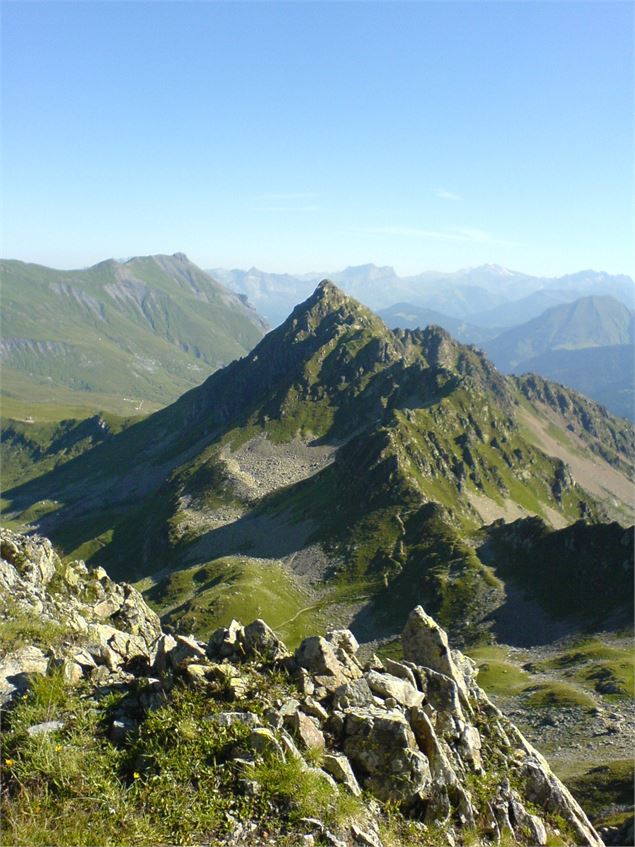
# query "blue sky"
(310, 136)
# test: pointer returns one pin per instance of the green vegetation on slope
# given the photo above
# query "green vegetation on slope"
(144, 329)
(605, 791)
(171, 785)
(202, 598)
(422, 425)
(496, 674)
(587, 322)
(606, 668)
(31, 447)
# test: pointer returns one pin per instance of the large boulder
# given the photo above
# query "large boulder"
(426, 644)
(17, 668)
(319, 657)
(254, 642)
(384, 751)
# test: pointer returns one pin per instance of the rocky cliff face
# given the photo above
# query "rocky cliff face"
(418, 740)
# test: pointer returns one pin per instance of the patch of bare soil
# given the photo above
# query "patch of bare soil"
(489, 510)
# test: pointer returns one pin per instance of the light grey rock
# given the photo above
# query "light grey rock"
(45, 728)
(186, 648)
(545, 789)
(17, 669)
(260, 642)
(315, 709)
(440, 766)
(365, 837)
(232, 718)
(317, 656)
(288, 708)
(386, 685)
(136, 617)
(354, 694)
(401, 670)
(340, 769)
(344, 640)
(426, 644)
(307, 730)
(225, 642)
(159, 654)
(530, 824)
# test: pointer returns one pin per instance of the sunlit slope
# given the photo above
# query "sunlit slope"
(118, 333)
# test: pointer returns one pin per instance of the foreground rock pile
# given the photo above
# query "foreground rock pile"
(418, 736)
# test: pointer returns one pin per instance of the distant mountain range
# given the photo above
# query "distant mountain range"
(130, 336)
(127, 336)
(408, 316)
(483, 296)
(586, 344)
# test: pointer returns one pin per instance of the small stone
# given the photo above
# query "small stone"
(232, 718)
(365, 837)
(307, 730)
(315, 709)
(340, 768)
(45, 728)
(262, 740)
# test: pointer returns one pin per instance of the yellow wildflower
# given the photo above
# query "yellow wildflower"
(136, 775)
(9, 762)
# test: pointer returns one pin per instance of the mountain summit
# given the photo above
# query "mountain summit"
(343, 458)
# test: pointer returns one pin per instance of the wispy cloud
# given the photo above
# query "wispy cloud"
(288, 208)
(444, 194)
(464, 234)
(292, 201)
(290, 196)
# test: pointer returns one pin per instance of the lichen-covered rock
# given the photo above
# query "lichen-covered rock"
(382, 746)
(386, 685)
(307, 730)
(426, 644)
(340, 769)
(260, 642)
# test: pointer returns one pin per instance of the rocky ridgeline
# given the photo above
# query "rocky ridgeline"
(418, 735)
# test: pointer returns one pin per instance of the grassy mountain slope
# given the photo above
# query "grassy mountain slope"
(587, 322)
(117, 333)
(353, 460)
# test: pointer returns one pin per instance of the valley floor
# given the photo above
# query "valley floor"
(573, 698)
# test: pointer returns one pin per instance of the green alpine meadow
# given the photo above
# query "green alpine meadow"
(121, 336)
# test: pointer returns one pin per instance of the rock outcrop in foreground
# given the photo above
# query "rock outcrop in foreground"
(416, 738)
